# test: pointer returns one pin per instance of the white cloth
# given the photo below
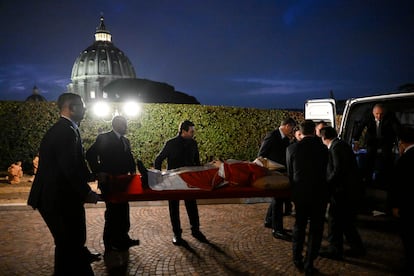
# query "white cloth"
(171, 180)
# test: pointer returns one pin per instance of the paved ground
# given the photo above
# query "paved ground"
(240, 245)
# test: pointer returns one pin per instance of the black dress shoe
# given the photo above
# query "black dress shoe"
(330, 253)
(282, 235)
(91, 257)
(268, 224)
(125, 245)
(309, 271)
(355, 253)
(299, 265)
(94, 257)
(199, 236)
(177, 240)
(132, 242)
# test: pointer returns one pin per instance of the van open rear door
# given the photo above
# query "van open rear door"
(321, 110)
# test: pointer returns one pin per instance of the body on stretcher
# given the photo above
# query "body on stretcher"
(229, 179)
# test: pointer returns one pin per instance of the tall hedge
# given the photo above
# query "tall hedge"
(221, 132)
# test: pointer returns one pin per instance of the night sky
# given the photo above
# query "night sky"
(246, 53)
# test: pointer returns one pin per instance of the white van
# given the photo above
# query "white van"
(401, 104)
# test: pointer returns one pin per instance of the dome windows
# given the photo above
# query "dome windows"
(103, 37)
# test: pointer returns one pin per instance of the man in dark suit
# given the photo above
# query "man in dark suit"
(274, 147)
(306, 167)
(380, 138)
(181, 151)
(401, 195)
(345, 188)
(318, 126)
(111, 155)
(61, 188)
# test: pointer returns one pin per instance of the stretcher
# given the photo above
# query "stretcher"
(126, 188)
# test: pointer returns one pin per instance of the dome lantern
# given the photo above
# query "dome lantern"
(101, 33)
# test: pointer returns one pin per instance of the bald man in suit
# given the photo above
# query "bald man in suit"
(61, 188)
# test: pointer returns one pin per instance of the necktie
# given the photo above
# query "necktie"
(378, 123)
(79, 140)
(78, 133)
(124, 143)
(76, 129)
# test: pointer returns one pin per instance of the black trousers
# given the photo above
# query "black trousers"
(117, 224)
(192, 212)
(68, 228)
(341, 222)
(274, 213)
(378, 168)
(315, 213)
(406, 233)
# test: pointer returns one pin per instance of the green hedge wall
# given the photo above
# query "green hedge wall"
(221, 132)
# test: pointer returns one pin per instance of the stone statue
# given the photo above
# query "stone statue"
(15, 172)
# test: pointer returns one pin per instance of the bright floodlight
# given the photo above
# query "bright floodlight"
(131, 109)
(101, 109)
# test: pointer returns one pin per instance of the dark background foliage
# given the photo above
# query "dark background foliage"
(221, 132)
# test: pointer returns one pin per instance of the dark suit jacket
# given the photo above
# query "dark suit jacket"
(179, 152)
(274, 147)
(110, 155)
(342, 173)
(306, 166)
(389, 129)
(400, 192)
(61, 179)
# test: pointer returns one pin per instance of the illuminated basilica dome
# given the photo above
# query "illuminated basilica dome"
(102, 71)
(98, 65)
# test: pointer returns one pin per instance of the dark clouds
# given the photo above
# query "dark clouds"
(266, 54)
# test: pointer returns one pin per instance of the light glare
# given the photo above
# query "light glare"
(101, 109)
(131, 109)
